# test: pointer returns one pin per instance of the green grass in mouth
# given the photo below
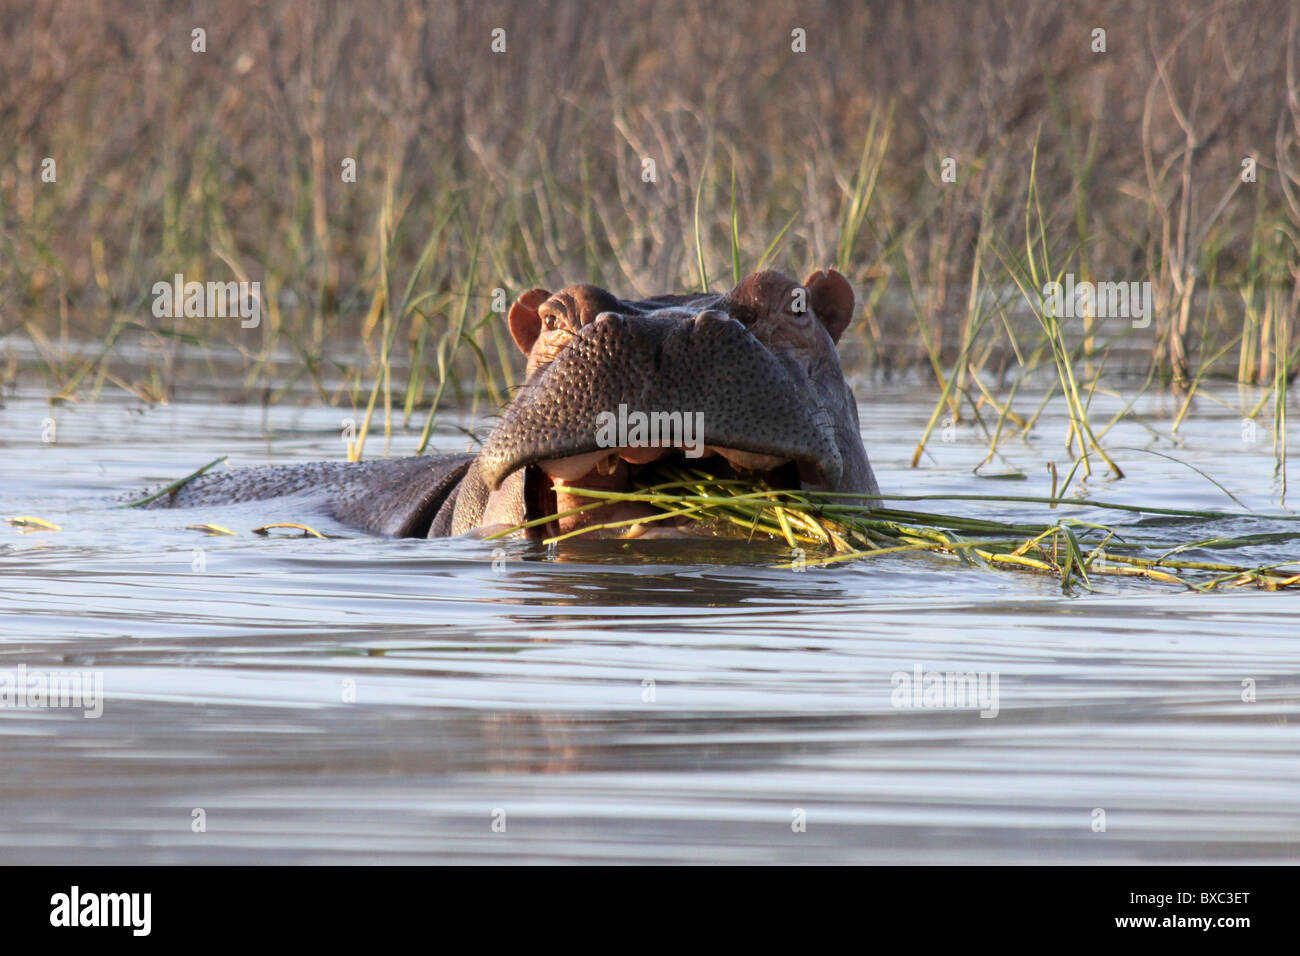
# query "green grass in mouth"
(824, 529)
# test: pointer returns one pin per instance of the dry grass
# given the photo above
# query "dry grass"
(479, 171)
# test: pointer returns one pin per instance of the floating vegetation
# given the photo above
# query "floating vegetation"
(265, 530)
(28, 524)
(823, 529)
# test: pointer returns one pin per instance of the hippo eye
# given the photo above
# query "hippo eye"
(551, 321)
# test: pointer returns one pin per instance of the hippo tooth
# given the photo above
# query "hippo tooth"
(641, 456)
(607, 466)
(749, 460)
(573, 467)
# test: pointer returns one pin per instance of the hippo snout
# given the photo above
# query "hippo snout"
(699, 365)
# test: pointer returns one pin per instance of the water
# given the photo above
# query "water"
(365, 700)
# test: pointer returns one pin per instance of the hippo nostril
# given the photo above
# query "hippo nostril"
(609, 318)
(712, 316)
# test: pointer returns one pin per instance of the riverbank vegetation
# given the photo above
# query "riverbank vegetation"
(391, 175)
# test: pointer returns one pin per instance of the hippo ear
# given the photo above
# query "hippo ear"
(831, 298)
(525, 323)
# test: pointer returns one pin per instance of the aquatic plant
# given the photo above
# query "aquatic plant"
(823, 529)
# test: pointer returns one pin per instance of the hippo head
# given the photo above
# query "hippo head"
(745, 382)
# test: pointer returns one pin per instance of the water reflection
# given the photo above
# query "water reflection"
(370, 700)
(688, 575)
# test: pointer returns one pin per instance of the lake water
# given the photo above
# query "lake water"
(366, 700)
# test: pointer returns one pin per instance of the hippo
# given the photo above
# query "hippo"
(755, 369)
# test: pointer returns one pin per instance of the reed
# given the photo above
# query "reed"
(824, 529)
(474, 175)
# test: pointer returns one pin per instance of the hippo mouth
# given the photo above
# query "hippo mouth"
(549, 486)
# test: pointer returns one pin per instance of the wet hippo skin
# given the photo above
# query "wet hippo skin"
(756, 367)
